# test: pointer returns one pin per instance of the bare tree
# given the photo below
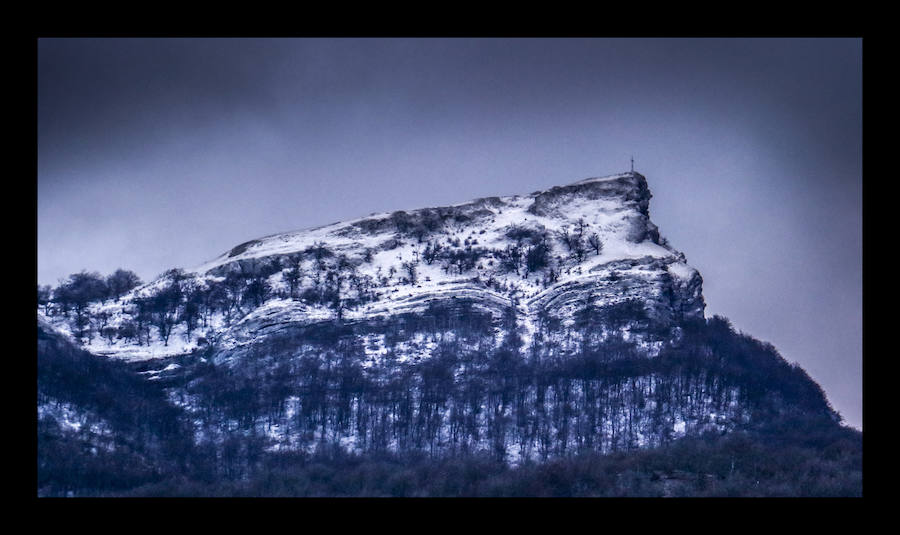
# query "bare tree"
(595, 243)
(121, 282)
(80, 290)
(44, 294)
(293, 277)
(410, 268)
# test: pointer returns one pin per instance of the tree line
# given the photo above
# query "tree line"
(318, 387)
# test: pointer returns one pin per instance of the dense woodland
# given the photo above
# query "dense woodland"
(790, 458)
(473, 419)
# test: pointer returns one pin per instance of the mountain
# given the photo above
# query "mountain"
(525, 328)
(533, 252)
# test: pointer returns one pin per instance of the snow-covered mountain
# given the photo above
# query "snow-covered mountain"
(545, 253)
(528, 325)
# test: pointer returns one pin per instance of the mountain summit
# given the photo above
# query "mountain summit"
(545, 253)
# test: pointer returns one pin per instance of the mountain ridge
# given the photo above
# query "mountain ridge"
(531, 251)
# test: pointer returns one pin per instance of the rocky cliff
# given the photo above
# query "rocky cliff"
(546, 254)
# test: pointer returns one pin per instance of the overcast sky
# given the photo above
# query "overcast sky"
(161, 153)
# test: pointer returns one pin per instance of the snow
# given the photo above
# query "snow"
(342, 236)
(610, 216)
(65, 415)
(71, 418)
(604, 178)
(682, 270)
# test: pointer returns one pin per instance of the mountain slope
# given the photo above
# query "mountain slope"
(523, 327)
(100, 424)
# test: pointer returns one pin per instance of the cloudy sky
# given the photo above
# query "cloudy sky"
(160, 153)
